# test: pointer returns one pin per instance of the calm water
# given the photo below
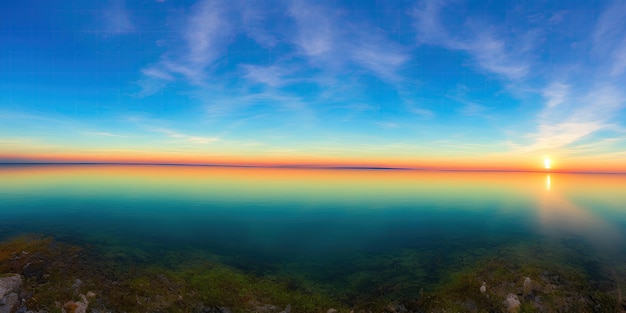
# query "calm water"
(336, 228)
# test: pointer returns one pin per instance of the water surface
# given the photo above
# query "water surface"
(340, 230)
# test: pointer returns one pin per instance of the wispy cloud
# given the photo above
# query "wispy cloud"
(474, 109)
(562, 126)
(184, 137)
(161, 127)
(271, 103)
(492, 52)
(104, 134)
(609, 37)
(332, 42)
(117, 19)
(381, 56)
(575, 112)
(571, 112)
(204, 40)
(272, 75)
(421, 112)
(555, 94)
(316, 28)
(387, 124)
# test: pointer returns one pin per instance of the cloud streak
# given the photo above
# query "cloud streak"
(491, 52)
(117, 19)
(184, 137)
(561, 127)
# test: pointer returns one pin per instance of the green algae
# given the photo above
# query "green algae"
(560, 283)
(66, 273)
(58, 275)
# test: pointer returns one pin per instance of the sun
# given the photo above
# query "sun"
(547, 163)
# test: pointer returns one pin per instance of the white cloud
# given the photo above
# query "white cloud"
(428, 26)
(591, 113)
(555, 94)
(609, 37)
(473, 109)
(254, 21)
(333, 43)
(490, 51)
(619, 55)
(421, 111)
(273, 75)
(204, 40)
(206, 32)
(104, 134)
(117, 19)
(491, 54)
(184, 137)
(379, 55)
(387, 124)
(316, 28)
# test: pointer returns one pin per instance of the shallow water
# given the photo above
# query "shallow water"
(343, 231)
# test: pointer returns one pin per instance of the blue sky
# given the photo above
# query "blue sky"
(410, 81)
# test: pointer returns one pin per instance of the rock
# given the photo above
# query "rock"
(483, 288)
(10, 284)
(76, 306)
(91, 294)
(9, 302)
(224, 309)
(77, 283)
(512, 303)
(208, 309)
(331, 310)
(287, 309)
(265, 308)
(528, 286)
(9, 288)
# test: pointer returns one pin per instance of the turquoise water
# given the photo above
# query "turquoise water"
(341, 230)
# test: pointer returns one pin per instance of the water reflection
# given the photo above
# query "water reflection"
(561, 216)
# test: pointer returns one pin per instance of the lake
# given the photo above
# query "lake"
(396, 240)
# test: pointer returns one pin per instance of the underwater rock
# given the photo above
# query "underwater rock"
(331, 310)
(483, 288)
(9, 287)
(512, 303)
(220, 309)
(76, 285)
(287, 309)
(528, 286)
(265, 308)
(76, 306)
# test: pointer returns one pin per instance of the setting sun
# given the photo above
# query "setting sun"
(546, 163)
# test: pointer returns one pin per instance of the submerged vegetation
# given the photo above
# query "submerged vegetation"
(61, 277)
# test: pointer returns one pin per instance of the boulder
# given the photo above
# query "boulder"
(9, 289)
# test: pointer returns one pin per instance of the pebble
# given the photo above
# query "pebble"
(483, 288)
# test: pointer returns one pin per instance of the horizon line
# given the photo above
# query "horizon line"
(320, 167)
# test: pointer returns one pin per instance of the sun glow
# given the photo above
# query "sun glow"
(546, 163)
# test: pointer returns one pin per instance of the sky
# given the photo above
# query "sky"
(425, 84)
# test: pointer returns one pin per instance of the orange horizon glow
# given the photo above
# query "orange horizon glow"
(511, 164)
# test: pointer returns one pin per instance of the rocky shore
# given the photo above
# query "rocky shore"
(43, 275)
